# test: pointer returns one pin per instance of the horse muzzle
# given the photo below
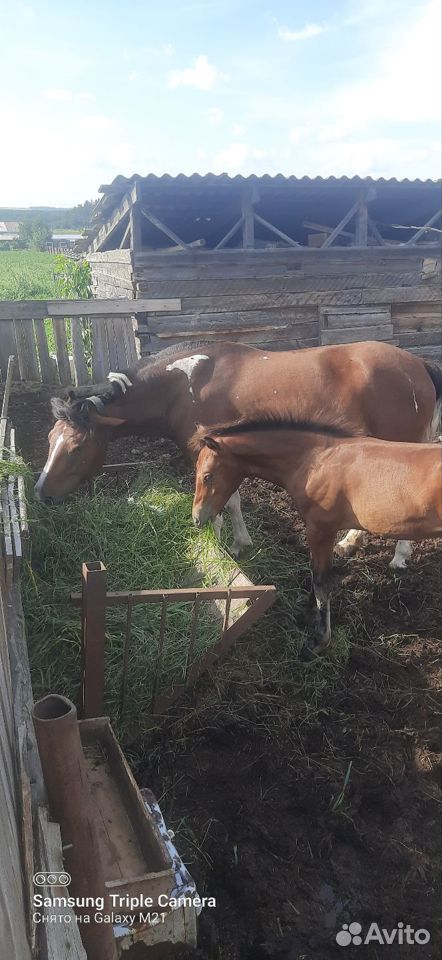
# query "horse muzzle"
(201, 516)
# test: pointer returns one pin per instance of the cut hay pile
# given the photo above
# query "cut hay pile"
(146, 541)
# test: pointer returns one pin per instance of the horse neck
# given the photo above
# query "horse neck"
(278, 456)
(151, 409)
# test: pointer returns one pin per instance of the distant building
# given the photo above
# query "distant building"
(9, 231)
(60, 242)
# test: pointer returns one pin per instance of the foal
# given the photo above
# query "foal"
(335, 481)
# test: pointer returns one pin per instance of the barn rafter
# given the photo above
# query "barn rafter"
(256, 213)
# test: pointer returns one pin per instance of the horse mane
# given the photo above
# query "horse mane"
(75, 409)
(335, 426)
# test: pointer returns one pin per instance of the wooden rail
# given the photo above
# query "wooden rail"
(72, 341)
(13, 514)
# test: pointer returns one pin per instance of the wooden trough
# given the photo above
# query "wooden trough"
(140, 863)
(127, 882)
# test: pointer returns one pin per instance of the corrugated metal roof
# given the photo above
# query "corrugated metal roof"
(204, 206)
(199, 178)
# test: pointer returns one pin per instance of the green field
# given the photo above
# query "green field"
(27, 275)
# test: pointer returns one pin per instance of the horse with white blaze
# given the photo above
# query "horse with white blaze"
(381, 390)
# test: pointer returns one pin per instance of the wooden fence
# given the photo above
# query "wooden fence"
(29, 841)
(71, 341)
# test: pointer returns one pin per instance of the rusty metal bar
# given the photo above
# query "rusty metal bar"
(247, 619)
(192, 637)
(93, 634)
(227, 612)
(159, 663)
(186, 594)
(65, 776)
(127, 639)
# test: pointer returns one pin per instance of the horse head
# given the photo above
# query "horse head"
(77, 446)
(217, 478)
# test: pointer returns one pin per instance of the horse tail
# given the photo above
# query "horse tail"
(434, 371)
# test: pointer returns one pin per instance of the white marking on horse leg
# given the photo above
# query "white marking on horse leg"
(120, 378)
(188, 365)
(241, 537)
(433, 430)
(48, 465)
(217, 524)
(347, 546)
(404, 549)
(322, 633)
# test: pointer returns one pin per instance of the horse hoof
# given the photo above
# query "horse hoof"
(237, 548)
(397, 565)
(345, 551)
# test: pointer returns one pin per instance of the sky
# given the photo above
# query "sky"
(96, 88)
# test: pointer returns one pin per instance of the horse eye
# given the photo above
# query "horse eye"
(207, 477)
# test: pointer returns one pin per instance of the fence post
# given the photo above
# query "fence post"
(93, 629)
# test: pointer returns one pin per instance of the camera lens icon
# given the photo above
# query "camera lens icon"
(52, 878)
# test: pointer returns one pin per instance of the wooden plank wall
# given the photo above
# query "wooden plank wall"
(13, 919)
(290, 298)
(112, 274)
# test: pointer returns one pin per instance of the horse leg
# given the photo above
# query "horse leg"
(347, 546)
(241, 537)
(404, 549)
(217, 524)
(321, 549)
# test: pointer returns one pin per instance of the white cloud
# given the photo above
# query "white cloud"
(62, 95)
(238, 157)
(310, 30)
(130, 54)
(238, 130)
(386, 122)
(202, 75)
(215, 116)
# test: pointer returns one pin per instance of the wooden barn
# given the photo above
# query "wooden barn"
(275, 261)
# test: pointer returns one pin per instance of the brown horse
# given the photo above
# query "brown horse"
(382, 390)
(388, 489)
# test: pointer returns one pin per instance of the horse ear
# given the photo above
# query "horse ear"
(211, 443)
(106, 421)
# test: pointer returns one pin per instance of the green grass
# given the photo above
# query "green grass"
(145, 541)
(27, 275)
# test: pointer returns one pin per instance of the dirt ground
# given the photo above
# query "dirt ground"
(302, 805)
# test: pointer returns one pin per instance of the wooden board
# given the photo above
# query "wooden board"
(263, 301)
(233, 320)
(62, 940)
(415, 316)
(170, 287)
(26, 350)
(424, 338)
(110, 256)
(48, 373)
(40, 309)
(8, 348)
(80, 367)
(100, 350)
(355, 334)
(355, 317)
(61, 347)
(260, 332)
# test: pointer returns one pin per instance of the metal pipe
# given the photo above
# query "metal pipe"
(64, 771)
